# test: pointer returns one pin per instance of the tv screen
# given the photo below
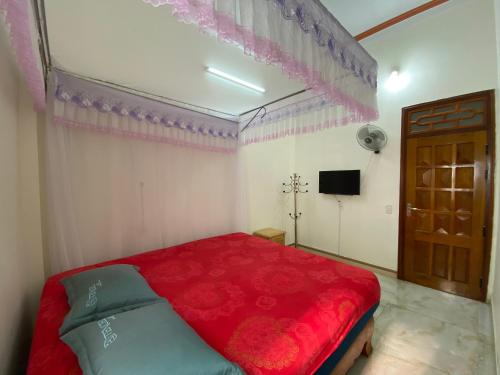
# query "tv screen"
(339, 182)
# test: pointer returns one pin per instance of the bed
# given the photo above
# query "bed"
(270, 308)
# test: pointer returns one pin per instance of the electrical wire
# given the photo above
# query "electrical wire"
(367, 168)
(339, 221)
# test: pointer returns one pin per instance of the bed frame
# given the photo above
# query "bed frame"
(362, 345)
(58, 360)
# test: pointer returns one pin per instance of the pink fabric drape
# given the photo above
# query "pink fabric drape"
(302, 37)
(20, 23)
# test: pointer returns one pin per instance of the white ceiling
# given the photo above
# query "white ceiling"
(133, 44)
(360, 15)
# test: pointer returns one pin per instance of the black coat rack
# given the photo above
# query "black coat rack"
(295, 186)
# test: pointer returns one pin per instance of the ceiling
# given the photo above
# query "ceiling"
(360, 15)
(130, 43)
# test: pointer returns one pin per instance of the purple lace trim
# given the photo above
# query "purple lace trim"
(269, 51)
(58, 120)
(89, 95)
(313, 18)
(292, 110)
(298, 130)
(17, 18)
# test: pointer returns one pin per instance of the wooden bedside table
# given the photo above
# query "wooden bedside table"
(272, 234)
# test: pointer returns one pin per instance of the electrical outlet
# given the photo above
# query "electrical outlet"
(388, 209)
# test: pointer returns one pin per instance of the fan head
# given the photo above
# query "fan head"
(372, 138)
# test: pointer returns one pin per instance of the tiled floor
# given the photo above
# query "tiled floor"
(422, 331)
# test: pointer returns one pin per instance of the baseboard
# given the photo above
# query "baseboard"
(350, 259)
(496, 339)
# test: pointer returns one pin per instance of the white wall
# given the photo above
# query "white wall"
(264, 167)
(495, 259)
(446, 52)
(437, 50)
(28, 198)
(21, 267)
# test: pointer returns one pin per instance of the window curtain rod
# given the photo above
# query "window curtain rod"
(263, 107)
(43, 35)
(158, 98)
(44, 46)
(279, 100)
(41, 18)
(184, 105)
(274, 101)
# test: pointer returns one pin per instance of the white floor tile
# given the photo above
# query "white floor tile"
(381, 363)
(423, 331)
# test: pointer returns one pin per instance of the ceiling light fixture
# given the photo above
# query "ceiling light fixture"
(229, 77)
(397, 81)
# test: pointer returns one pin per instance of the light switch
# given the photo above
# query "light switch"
(388, 209)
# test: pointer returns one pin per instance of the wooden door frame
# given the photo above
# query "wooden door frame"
(490, 166)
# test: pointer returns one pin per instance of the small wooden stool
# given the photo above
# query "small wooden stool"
(271, 234)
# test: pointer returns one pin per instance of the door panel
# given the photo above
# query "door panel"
(445, 211)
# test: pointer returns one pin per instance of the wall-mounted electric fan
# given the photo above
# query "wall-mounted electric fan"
(372, 138)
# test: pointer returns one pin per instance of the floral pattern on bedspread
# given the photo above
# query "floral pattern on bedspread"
(272, 309)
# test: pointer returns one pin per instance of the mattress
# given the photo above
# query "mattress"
(331, 362)
(270, 308)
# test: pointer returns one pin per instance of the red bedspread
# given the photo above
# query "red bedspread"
(271, 309)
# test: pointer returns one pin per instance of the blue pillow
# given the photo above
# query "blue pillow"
(104, 291)
(151, 340)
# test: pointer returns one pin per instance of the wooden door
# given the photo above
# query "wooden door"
(444, 207)
(445, 199)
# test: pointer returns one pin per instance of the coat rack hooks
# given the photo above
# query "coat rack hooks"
(295, 186)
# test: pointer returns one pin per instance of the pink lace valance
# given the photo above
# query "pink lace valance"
(299, 35)
(21, 27)
(82, 104)
(306, 116)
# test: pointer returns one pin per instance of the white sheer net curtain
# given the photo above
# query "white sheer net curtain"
(300, 36)
(110, 196)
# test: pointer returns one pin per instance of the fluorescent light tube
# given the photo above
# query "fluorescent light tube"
(233, 79)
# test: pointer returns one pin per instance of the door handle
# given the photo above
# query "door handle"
(409, 209)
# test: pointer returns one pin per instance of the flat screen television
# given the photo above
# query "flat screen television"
(339, 182)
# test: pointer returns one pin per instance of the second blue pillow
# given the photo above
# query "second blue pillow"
(104, 291)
